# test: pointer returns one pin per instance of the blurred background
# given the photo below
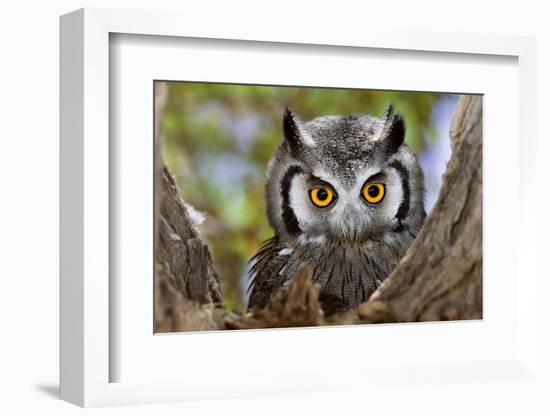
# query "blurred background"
(218, 139)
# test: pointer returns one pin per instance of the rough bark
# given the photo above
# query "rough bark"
(182, 257)
(293, 306)
(440, 276)
(185, 275)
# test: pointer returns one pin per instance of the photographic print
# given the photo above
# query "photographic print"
(283, 207)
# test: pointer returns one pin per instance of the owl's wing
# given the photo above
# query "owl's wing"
(264, 274)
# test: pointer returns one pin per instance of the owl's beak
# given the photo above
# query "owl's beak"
(351, 224)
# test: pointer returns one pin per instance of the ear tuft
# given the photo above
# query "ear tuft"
(295, 132)
(291, 128)
(393, 129)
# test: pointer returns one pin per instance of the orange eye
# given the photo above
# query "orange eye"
(321, 197)
(374, 192)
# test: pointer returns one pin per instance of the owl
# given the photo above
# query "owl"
(344, 195)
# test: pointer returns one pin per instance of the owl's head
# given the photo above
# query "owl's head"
(344, 179)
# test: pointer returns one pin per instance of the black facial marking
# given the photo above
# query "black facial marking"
(404, 176)
(398, 225)
(289, 218)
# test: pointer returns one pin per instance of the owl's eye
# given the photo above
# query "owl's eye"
(373, 193)
(322, 196)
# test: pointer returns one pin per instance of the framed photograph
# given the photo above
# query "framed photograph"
(256, 206)
(279, 213)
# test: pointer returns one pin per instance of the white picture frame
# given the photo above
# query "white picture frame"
(88, 358)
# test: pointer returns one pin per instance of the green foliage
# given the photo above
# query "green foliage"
(219, 139)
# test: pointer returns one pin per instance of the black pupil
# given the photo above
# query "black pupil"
(322, 194)
(373, 191)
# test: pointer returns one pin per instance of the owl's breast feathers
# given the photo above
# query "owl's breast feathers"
(346, 274)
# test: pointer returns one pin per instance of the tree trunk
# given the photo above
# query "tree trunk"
(184, 277)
